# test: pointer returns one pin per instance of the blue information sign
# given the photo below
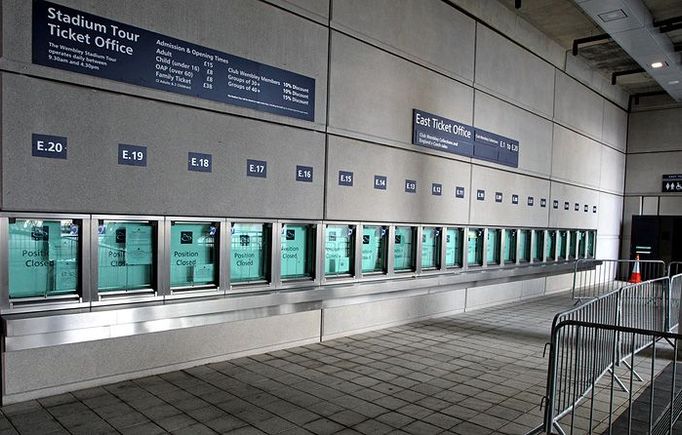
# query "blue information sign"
(444, 134)
(441, 133)
(410, 186)
(256, 168)
(436, 189)
(380, 182)
(199, 162)
(52, 147)
(345, 178)
(495, 148)
(132, 155)
(77, 41)
(304, 173)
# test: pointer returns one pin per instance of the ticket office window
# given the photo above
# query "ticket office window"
(404, 248)
(339, 249)
(431, 244)
(572, 245)
(524, 246)
(510, 240)
(475, 246)
(193, 256)
(374, 249)
(493, 246)
(582, 239)
(454, 238)
(591, 236)
(126, 255)
(250, 245)
(44, 258)
(550, 244)
(562, 241)
(298, 251)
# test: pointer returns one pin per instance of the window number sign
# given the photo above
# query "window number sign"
(256, 168)
(380, 182)
(132, 155)
(52, 147)
(436, 189)
(345, 178)
(410, 186)
(199, 162)
(304, 174)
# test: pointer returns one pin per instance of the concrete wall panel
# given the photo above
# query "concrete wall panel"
(525, 79)
(363, 202)
(578, 107)
(372, 93)
(534, 133)
(423, 30)
(655, 130)
(575, 158)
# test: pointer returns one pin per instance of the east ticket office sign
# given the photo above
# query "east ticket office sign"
(444, 134)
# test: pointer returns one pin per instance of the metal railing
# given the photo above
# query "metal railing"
(592, 278)
(655, 410)
(579, 359)
(674, 268)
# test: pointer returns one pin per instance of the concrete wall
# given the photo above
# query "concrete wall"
(372, 67)
(654, 149)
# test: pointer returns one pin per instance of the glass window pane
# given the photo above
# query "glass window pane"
(562, 240)
(374, 239)
(572, 244)
(510, 246)
(453, 247)
(250, 252)
(44, 258)
(403, 249)
(338, 250)
(193, 256)
(590, 244)
(550, 245)
(493, 247)
(430, 247)
(581, 244)
(126, 255)
(297, 250)
(475, 246)
(524, 246)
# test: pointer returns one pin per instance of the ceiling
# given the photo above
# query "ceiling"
(564, 21)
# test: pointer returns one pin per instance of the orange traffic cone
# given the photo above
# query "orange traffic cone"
(635, 276)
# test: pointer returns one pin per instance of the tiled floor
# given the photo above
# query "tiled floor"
(473, 373)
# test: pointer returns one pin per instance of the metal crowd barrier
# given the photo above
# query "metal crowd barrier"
(592, 278)
(654, 411)
(580, 358)
(674, 268)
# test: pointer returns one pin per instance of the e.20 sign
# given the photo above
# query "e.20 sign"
(51, 147)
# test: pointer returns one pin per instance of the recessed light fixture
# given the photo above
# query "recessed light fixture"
(658, 64)
(673, 82)
(614, 15)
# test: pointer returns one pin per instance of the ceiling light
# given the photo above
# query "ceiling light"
(617, 14)
(658, 64)
(673, 82)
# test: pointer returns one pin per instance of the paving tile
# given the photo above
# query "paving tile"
(323, 426)
(225, 423)
(372, 427)
(348, 417)
(175, 422)
(395, 419)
